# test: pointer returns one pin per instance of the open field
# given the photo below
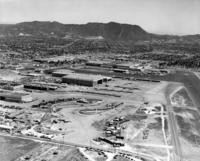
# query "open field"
(16, 147)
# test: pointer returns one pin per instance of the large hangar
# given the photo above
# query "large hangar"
(15, 96)
(85, 80)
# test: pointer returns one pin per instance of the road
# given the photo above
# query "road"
(177, 153)
(175, 137)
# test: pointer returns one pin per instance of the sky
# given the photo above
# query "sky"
(155, 16)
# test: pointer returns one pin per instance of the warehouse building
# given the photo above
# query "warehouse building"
(105, 64)
(116, 70)
(40, 86)
(15, 97)
(94, 63)
(85, 80)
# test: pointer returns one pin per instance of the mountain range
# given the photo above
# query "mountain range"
(109, 31)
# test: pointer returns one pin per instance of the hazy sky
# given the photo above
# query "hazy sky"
(158, 16)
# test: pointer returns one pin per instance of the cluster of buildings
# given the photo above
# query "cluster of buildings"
(16, 119)
(112, 131)
(30, 123)
(126, 67)
(55, 59)
(33, 132)
(113, 127)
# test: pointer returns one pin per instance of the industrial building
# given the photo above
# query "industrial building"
(116, 70)
(84, 79)
(113, 143)
(105, 64)
(94, 63)
(15, 97)
(40, 86)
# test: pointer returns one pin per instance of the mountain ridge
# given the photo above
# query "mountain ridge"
(111, 31)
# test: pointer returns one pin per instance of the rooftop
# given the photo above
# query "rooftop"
(85, 77)
(100, 62)
(63, 71)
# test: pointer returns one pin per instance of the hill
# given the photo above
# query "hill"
(110, 31)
